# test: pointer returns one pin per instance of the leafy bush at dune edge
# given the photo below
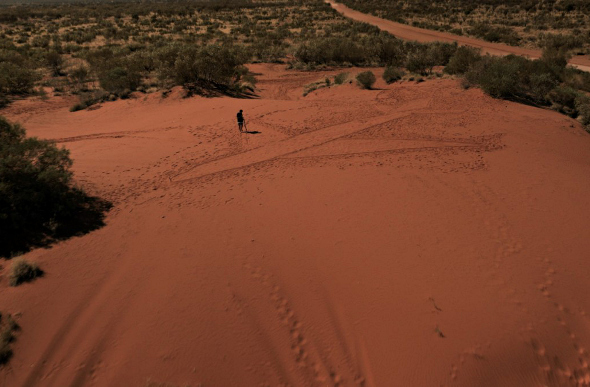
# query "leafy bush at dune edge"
(545, 82)
(39, 203)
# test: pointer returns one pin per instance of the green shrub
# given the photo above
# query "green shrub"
(555, 59)
(392, 52)
(359, 51)
(496, 76)
(366, 79)
(15, 79)
(120, 80)
(87, 99)
(14, 57)
(23, 271)
(340, 78)
(4, 101)
(563, 99)
(268, 52)
(462, 60)
(77, 107)
(540, 84)
(392, 74)
(55, 62)
(80, 74)
(582, 105)
(440, 53)
(333, 51)
(495, 34)
(38, 203)
(211, 66)
(421, 59)
(560, 42)
(577, 79)
(418, 62)
(515, 78)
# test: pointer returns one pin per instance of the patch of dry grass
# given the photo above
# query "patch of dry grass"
(22, 271)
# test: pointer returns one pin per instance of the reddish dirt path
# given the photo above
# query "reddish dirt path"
(412, 235)
(407, 32)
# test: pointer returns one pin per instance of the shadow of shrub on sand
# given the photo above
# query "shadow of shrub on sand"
(39, 204)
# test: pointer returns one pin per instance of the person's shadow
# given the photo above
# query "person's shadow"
(252, 132)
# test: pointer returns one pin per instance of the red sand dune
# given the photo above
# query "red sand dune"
(404, 31)
(412, 235)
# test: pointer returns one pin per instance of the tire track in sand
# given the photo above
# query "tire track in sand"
(292, 145)
(70, 335)
(280, 148)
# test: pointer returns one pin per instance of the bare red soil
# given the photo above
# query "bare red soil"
(411, 235)
(404, 31)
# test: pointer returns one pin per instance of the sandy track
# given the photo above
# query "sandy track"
(417, 234)
(404, 31)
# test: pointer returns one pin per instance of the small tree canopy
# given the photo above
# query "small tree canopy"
(38, 202)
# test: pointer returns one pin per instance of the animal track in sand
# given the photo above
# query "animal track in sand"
(313, 363)
(554, 368)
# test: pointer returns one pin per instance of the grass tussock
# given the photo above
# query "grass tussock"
(338, 79)
(315, 86)
(22, 271)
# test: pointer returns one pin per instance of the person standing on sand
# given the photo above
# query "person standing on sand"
(240, 120)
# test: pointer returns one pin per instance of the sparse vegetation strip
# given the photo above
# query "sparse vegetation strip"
(538, 24)
(545, 82)
(122, 47)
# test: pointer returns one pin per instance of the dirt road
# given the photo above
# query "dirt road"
(407, 32)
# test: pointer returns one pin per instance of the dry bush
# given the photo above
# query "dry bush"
(7, 329)
(22, 271)
(393, 74)
(366, 79)
(314, 86)
(89, 98)
(340, 78)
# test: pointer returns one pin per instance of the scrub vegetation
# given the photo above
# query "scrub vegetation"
(107, 50)
(545, 82)
(103, 51)
(528, 23)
